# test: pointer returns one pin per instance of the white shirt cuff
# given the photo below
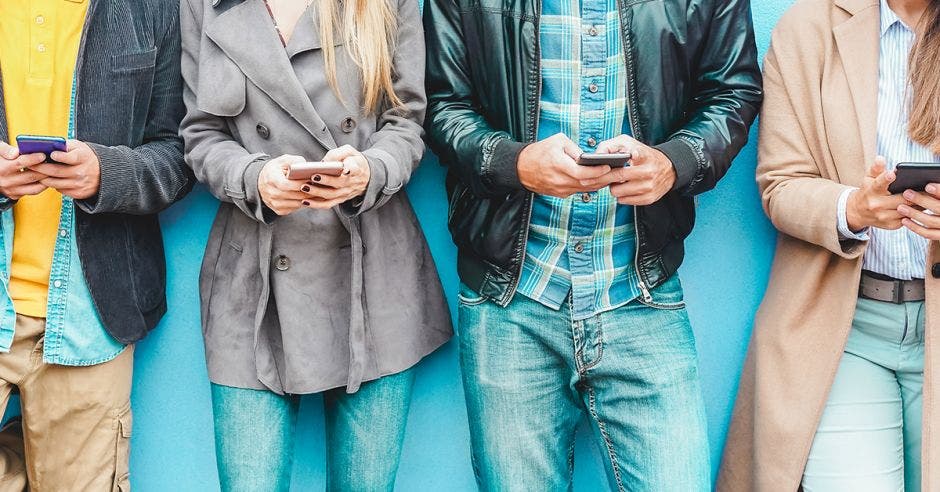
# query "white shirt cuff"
(846, 234)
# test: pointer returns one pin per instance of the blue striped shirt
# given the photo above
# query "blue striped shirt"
(583, 245)
(899, 254)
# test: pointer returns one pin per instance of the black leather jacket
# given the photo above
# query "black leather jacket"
(694, 89)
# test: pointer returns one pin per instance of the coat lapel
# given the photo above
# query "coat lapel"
(858, 42)
(246, 34)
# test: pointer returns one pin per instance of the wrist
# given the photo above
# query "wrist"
(854, 219)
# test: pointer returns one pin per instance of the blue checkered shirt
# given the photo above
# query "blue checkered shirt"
(584, 244)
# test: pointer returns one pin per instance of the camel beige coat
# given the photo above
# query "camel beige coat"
(817, 137)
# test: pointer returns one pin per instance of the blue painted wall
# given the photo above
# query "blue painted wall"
(173, 448)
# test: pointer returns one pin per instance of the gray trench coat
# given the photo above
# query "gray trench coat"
(317, 299)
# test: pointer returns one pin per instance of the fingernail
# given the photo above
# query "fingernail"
(903, 209)
(317, 178)
(11, 153)
(909, 195)
(306, 203)
(931, 188)
(305, 189)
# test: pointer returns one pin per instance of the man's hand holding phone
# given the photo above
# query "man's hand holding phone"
(75, 173)
(648, 178)
(873, 205)
(550, 167)
(17, 179)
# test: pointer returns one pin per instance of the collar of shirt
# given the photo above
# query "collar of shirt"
(889, 18)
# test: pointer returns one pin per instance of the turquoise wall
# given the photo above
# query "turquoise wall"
(173, 450)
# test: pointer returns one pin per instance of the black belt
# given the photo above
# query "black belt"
(880, 287)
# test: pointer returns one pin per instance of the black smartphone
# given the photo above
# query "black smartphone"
(914, 176)
(612, 160)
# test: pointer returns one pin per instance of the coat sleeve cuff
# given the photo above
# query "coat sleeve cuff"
(378, 191)
(685, 160)
(254, 205)
(501, 164)
(118, 178)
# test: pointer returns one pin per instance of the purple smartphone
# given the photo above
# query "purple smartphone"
(38, 144)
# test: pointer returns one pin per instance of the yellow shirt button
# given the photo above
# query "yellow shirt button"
(41, 48)
(40, 20)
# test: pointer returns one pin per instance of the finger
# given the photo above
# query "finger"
(927, 220)
(8, 151)
(882, 182)
(288, 195)
(29, 160)
(922, 200)
(615, 175)
(72, 157)
(18, 192)
(60, 184)
(631, 189)
(54, 170)
(327, 181)
(933, 189)
(340, 154)
(285, 207)
(920, 230)
(324, 204)
(878, 167)
(324, 193)
(24, 178)
(611, 146)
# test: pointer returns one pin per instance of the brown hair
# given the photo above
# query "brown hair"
(925, 80)
(369, 32)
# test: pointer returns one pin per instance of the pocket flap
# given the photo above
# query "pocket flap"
(222, 87)
(132, 62)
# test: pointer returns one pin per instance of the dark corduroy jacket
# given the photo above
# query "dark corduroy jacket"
(128, 106)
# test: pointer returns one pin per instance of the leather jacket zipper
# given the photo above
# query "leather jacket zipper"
(532, 136)
(631, 119)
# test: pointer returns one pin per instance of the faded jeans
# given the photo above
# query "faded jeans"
(530, 375)
(254, 436)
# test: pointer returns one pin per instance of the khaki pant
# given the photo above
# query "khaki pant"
(76, 420)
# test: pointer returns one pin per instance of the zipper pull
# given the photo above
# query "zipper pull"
(646, 293)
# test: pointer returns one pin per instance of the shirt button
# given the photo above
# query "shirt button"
(40, 20)
(282, 263)
(41, 48)
(586, 197)
(63, 233)
(579, 247)
(593, 88)
(57, 284)
(591, 142)
(592, 31)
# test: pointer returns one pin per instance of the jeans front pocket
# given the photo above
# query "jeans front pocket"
(668, 295)
(468, 297)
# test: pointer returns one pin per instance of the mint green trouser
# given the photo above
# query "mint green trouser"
(869, 438)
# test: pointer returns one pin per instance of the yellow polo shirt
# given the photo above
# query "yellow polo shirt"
(39, 42)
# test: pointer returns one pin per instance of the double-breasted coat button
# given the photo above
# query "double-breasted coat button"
(348, 125)
(282, 263)
(263, 131)
(935, 270)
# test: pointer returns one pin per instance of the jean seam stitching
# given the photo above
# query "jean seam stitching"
(611, 454)
(600, 352)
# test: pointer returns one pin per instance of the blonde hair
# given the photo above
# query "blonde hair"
(369, 33)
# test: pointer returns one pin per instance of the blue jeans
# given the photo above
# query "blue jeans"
(869, 436)
(530, 374)
(254, 436)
